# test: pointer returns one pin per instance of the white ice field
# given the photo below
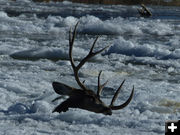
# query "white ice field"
(34, 53)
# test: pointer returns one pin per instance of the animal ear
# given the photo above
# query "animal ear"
(62, 89)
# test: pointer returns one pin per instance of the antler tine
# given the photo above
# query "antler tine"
(100, 87)
(116, 94)
(91, 54)
(70, 36)
(71, 43)
(71, 40)
(100, 50)
(74, 32)
(94, 44)
(124, 104)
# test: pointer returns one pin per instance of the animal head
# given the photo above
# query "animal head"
(84, 98)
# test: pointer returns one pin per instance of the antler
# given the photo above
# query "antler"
(115, 97)
(84, 60)
(100, 87)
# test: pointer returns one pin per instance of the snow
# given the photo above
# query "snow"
(34, 53)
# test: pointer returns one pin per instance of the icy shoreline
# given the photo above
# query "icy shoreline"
(122, 2)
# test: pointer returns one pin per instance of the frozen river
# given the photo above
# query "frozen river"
(34, 53)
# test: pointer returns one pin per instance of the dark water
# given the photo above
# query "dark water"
(78, 10)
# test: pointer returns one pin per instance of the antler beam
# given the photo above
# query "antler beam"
(83, 61)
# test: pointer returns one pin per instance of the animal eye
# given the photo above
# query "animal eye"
(91, 98)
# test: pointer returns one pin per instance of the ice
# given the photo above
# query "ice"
(40, 107)
(132, 49)
(41, 53)
(18, 108)
(34, 53)
(50, 53)
(93, 25)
